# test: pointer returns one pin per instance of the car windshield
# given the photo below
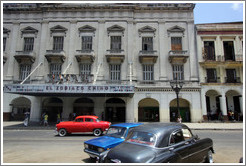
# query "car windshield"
(97, 120)
(143, 138)
(114, 131)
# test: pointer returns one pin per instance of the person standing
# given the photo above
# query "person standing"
(179, 120)
(46, 117)
(58, 118)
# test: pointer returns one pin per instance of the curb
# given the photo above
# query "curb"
(53, 128)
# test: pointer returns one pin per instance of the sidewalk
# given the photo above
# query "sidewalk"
(13, 125)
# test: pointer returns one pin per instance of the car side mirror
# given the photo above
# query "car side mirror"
(196, 137)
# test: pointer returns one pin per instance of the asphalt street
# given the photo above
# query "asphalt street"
(41, 146)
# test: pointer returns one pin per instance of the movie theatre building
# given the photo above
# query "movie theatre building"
(115, 61)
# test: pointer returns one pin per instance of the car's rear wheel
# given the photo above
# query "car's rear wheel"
(62, 132)
(97, 132)
(209, 158)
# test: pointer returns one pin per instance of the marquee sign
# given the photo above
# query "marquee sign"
(68, 89)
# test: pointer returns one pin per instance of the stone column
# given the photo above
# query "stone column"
(204, 106)
(130, 49)
(42, 51)
(67, 108)
(164, 109)
(70, 55)
(223, 106)
(163, 50)
(192, 51)
(13, 46)
(241, 104)
(101, 50)
(130, 115)
(99, 107)
(36, 108)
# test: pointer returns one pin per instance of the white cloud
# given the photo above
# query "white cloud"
(237, 6)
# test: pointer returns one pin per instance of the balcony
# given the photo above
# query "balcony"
(115, 55)
(85, 55)
(179, 56)
(53, 55)
(212, 80)
(25, 56)
(232, 80)
(148, 56)
(69, 78)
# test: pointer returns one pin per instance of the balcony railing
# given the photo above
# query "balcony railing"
(232, 80)
(212, 80)
(178, 53)
(84, 51)
(147, 52)
(69, 78)
(115, 51)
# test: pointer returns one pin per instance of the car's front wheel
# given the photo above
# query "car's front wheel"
(62, 132)
(97, 132)
(209, 157)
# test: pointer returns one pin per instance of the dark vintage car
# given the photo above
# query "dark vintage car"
(162, 143)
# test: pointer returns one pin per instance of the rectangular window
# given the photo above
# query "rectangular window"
(176, 43)
(178, 72)
(55, 69)
(28, 44)
(148, 72)
(85, 72)
(147, 43)
(25, 70)
(229, 50)
(211, 75)
(115, 72)
(209, 50)
(115, 43)
(58, 43)
(231, 76)
(86, 43)
(4, 43)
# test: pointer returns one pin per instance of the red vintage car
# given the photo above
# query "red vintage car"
(87, 123)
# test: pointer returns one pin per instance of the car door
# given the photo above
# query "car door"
(89, 125)
(79, 125)
(179, 146)
(194, 152)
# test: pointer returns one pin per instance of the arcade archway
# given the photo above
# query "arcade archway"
(52, 106)
(213, 105)
(148, 110)
(19, 107)
(184, 107)
(115, 110)
(83, 106)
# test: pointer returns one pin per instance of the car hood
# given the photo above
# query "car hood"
(131, 153)
(105, 141)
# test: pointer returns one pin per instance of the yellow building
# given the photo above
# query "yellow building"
(220, 54)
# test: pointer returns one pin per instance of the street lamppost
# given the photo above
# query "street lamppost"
(177, 86)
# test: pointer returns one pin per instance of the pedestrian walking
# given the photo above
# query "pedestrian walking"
(27, 117)
(46, 117)
(42, 118)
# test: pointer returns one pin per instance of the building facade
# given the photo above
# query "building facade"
(112, 60)
(220, 52)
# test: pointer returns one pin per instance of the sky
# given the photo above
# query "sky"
(218, 12)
